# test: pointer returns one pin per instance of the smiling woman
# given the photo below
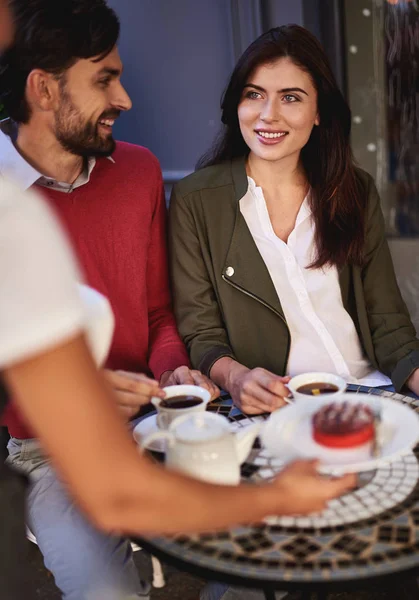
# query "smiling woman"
(279, 260)
(280, 101)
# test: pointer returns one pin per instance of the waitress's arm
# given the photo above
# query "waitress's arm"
(393, 335)
(65, 400)
(54, 380)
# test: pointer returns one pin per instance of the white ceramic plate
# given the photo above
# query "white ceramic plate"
(146, 426)
(287, 434)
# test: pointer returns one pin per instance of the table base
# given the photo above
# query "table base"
(270, 595)
(317, 596)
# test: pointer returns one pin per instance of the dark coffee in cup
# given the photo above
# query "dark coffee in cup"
(181, 402)
(317, 388)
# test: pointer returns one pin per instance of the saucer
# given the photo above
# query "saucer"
(288, 435)
(146, 426)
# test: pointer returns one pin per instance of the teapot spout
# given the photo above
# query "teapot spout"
(245, 439)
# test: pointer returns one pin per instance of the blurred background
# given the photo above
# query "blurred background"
(178, 56)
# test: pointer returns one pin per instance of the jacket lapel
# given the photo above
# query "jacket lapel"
(344, 282)
(244, 266)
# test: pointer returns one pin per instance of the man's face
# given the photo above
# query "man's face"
(91, 98)
(6, 25)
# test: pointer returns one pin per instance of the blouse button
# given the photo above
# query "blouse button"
(229, 271)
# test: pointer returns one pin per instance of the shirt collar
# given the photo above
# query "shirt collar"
(304, 211)
(14, 166)
(17, 169)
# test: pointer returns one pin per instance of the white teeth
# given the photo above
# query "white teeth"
(108, 122)
(271, 135)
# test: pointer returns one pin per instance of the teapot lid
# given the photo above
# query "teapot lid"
(200, 427)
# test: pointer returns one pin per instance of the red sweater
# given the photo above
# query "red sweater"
(117, 223)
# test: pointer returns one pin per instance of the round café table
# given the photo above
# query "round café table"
(371, 532)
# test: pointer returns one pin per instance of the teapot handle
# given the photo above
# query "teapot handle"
(157, 435)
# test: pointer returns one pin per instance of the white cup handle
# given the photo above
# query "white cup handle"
(289, 399)
(162, 420)
(157, 435)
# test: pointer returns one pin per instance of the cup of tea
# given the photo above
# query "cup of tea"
(311, 385)
(179, 400)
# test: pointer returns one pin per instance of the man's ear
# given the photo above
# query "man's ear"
(42, 90)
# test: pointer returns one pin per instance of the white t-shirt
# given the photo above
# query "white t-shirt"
(41, 304)
(323, 334)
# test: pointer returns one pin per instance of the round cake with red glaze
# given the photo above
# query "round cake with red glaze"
(343, 425)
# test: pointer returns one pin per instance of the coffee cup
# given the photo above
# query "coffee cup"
(179, 400)
(312, 385)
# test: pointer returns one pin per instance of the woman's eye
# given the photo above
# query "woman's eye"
(253, 95)
(291, 98)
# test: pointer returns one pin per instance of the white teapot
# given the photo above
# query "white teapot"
(204, 446)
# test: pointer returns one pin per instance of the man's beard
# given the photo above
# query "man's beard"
(78, 136)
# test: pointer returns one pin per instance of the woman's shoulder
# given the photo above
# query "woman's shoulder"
(208, 178)
(364, 178)
(371, 201)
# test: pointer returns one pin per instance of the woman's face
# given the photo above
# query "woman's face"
(278, 110)
(6, 25)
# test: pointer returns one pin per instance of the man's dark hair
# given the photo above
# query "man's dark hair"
(52, 35)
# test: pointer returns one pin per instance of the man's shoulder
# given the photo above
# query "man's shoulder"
(208, 178)
(135, 155)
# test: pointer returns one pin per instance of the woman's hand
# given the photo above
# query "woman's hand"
(256, 391)
(305, 491)
(413, 382)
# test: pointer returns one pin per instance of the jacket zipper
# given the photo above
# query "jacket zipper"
(241, 289)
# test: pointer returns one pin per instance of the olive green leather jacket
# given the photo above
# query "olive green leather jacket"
(224, 299)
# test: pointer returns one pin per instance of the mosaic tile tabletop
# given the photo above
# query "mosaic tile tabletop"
(371, 531)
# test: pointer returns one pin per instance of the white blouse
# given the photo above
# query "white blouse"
(323, 335)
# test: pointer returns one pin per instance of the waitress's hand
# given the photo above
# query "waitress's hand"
(302, 490)
(132, 390)
(256, 391)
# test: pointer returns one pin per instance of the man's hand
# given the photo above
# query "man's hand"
(132, 390)
(256, 391)
(183, 375)
(303, 490)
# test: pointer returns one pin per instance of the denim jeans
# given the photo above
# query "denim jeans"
(87, 564)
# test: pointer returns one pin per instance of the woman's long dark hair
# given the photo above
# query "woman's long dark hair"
(338, 202)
